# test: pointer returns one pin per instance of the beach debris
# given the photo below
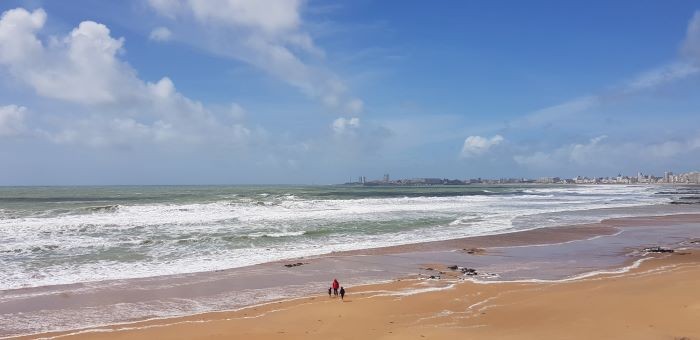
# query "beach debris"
(473, 251)
(290, 265)
(489, 276)
(469, 271)
(434, 277)
(464, 270)
(658, 250)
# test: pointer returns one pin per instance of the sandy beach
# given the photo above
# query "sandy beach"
(650, 296)
(657, 300)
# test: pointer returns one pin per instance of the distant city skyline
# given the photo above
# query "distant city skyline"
(96, 92)
(669, 177)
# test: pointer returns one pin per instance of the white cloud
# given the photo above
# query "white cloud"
(355, 106)
(673, 148)
(167, 8)
(268, 34)
(580, 154)
(559, 111)
(477, 145)
(269, 16)
(82, 67)
(691, 44)
(17, 40)
(537, 160)
(113, 106)
(160, 34)
(686, 65)
(597, 153)
(585, 153)
(662, 75)
(344, 125)
(12, 120)
(236, 111)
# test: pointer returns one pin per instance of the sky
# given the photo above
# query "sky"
(97, 92)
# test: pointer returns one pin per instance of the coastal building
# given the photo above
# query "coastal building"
(548, 180)
(691, 177)
(641, 178)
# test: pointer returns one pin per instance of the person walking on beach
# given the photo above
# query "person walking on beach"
(342, 293)
(335, 286)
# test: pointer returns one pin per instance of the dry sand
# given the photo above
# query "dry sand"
(658, 300)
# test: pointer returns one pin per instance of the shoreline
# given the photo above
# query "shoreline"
(530, 237)
(561, 235)
(510, 238)
(516, 238)
(263, 321)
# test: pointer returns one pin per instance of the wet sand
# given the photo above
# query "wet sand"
(535, 236)
(658, 300)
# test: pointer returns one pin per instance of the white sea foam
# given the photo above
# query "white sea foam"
(587, 275)
(125, 240)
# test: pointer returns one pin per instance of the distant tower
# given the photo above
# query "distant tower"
(386, 178)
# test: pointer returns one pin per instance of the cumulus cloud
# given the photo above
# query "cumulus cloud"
(345, 125)
(83, 68)
(17, 40)
(477, 145)
(11, 120)
(268, 34)
(160, 34)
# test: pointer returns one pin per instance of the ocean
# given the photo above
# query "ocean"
(64, 235)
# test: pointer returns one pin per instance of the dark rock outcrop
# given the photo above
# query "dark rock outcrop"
(290, 265)
(658, 250)
(469, 271)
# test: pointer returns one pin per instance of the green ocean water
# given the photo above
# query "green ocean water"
(51, 235)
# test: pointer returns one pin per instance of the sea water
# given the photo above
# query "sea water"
(76, 257)
(63, 235)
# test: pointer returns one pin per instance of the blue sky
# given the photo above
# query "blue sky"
(287, 91)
